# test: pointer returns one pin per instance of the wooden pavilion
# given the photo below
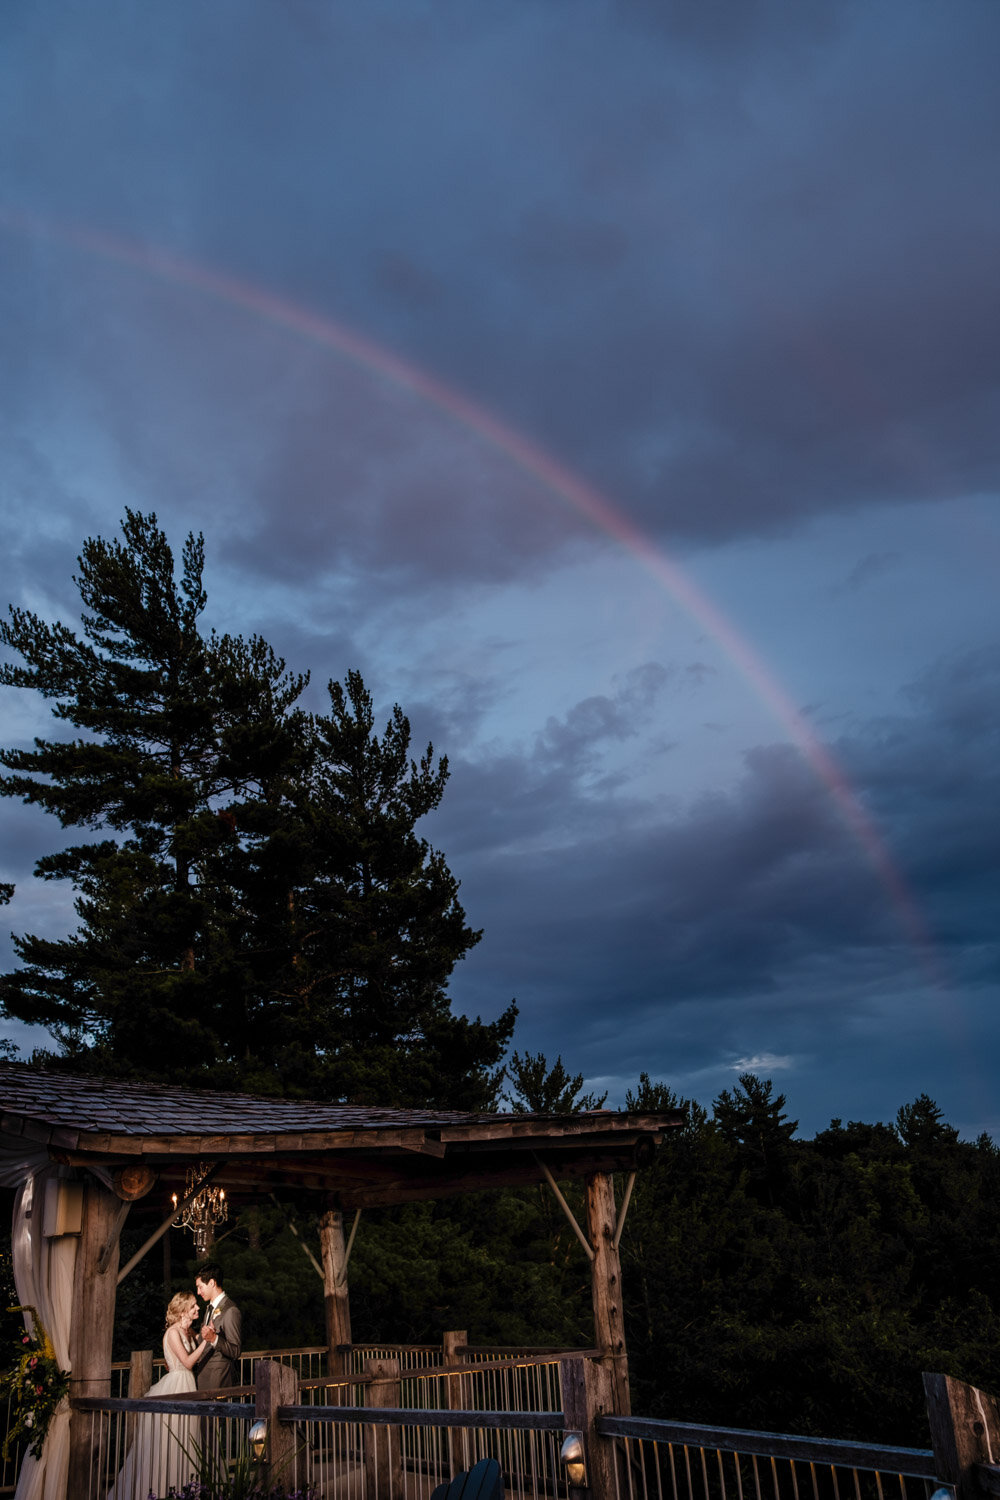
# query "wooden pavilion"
(86, 1152)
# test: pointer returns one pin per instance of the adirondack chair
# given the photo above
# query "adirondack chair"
(483, 1481)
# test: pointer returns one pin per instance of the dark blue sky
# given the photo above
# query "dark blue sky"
(617, 385)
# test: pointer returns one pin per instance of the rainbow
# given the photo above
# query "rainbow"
(552, 475)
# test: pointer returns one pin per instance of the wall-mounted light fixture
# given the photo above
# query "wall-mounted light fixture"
(573, 1455)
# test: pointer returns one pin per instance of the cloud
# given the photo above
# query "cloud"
(782, 232)
(762, 1062)
(865, 570)
(677, 938)
(734, 267)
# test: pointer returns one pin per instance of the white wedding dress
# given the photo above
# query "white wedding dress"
(163, 1448)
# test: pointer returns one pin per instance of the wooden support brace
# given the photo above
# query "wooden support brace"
(305, 1248)
(624, 1208)
(111, 1244)
(158, 1234)
(588, 1247)
(350, 1241)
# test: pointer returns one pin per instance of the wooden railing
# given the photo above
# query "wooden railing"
(391, 1432)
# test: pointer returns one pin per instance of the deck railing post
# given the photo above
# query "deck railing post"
(383, 1448)
(140, 1372)
(588, 1393)
(140, 1378)
(277, 1385)
(965, 1431)
(457, 1454)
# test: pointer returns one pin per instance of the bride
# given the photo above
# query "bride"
(163, 1449)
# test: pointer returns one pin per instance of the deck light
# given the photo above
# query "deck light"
(572, 1455)
(258, 1438)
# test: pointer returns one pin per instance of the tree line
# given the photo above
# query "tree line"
(257, 911)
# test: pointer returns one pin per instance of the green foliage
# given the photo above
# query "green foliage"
(496, 1264)
(803, 1286)
(538, 1089)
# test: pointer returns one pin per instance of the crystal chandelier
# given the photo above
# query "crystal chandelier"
(206, 1209)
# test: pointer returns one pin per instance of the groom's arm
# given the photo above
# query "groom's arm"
(230, 1330)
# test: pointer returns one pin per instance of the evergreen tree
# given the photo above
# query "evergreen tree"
(259, 901)
(750, 1118)
(921, 1125)
(372, 928)
(538, 1089)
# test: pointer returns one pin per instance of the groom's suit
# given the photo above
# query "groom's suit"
(221, 1366)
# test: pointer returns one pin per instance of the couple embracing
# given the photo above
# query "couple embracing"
(221, 1331)
(165, 1448)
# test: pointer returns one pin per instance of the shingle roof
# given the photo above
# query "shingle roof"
(365, 1154)
(110, 1105)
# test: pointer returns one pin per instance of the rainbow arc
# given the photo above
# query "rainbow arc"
(553, 476)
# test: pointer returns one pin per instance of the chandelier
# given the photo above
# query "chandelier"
(206, 1209)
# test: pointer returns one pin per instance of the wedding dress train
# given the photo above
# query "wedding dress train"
(163, 1448)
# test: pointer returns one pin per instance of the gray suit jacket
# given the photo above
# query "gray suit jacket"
(221, 1367)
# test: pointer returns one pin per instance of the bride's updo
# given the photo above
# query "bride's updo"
(178, 1306)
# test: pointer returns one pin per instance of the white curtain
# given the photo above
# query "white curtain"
(43, 1274)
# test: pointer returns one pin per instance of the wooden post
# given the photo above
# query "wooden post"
(140, 1373)
(457, 1437)
(606, 1286)
(91, 1329)
(277, 1385)
(383, 1450)
(587, 1393)
(333, 1252)
(965, 1431)
(140, 1378)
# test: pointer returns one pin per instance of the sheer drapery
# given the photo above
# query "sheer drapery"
(43, 1274)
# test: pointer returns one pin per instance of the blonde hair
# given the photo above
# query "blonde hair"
(178, 1306)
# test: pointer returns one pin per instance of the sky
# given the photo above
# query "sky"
(617, 385)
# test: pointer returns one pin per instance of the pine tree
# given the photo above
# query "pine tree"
(253, 900)
(373, 926)
(537, 1088)
(749, 1117)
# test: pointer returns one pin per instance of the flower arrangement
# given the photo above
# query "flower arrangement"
(36, 1386)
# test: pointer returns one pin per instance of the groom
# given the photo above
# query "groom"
(222, 1329)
